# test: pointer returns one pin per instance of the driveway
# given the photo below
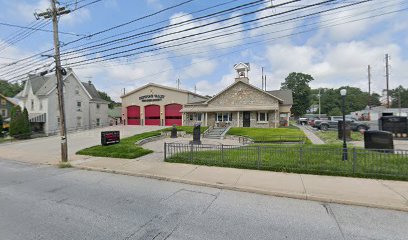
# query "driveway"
(47, 150)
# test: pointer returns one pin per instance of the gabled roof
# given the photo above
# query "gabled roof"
(161, 86)
(252, 86)
(285, 95)
(10, 100)
(90, 88)
(246, 65)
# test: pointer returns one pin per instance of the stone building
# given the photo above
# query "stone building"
(241, 105)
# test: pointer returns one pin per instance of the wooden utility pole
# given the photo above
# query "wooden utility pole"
(369, 86)
(387, 77)
(53, 13)
(262, 80)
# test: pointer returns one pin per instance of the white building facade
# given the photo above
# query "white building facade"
(84, 108)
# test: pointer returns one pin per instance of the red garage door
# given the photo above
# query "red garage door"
(173, 114)
(152, 115)
(133, 115)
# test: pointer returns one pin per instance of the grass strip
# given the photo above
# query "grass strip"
(311, 159)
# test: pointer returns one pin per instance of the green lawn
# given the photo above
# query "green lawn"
(330, 137)
(313, 159)
(125, 149)
(288, 134)
(187, 129)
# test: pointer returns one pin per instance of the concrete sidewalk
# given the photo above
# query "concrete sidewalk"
(354, 191)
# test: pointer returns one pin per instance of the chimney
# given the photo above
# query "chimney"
(90, 82)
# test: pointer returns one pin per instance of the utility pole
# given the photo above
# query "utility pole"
(265, 82)
(53, 13)
(262, 80)
(178, 83)
(319, 103)
(195, 88)
(387, 77)
(369, 86)
(399, 102)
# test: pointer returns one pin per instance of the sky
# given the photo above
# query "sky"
(335, 47)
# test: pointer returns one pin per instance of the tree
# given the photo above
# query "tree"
(10, 89)
(299, 84)
(107, 98)
(399, 93)
(19, 123)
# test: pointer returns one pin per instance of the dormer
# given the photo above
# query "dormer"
(242, 72)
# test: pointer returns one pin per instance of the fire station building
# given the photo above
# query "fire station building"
(239, 105)
(158, 105)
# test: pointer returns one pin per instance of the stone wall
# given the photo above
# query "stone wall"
(242, 94)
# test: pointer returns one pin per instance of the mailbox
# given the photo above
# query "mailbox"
(110, 137)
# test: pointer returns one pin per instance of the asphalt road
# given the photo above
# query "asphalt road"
(43, 202)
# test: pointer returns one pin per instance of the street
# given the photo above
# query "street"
(44, 202)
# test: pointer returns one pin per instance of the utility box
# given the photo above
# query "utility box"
(110, 137)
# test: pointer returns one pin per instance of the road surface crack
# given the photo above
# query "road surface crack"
(330, 212)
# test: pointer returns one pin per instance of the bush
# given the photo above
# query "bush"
(19, 123)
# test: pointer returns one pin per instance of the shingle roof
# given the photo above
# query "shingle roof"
(285, 95)
(90, 88)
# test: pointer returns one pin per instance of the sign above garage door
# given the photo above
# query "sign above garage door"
(151, 98)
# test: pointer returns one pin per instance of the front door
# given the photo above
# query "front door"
(246, 119)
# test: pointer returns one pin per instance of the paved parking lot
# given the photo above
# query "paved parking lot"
(47, 149)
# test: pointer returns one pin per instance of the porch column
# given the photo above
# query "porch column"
(276, 118)
(206, 119)
(238, 119)
(182, 119)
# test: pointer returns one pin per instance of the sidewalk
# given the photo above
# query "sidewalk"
(310, 134)
(343, 190)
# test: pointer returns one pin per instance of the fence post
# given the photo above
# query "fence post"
(354, 159)
(222, 154)
(165, 151)
(259, 157)
(191, 152)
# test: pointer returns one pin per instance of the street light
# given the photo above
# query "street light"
(343, 93)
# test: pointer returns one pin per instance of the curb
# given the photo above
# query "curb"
(248, 189)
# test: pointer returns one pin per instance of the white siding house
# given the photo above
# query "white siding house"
(84, 108)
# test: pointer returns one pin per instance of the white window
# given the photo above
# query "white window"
(58, 121)
(79, 122)
(3, 102)
(223, 117)
(41, 105)
(98, 122)
(32, 104)
(98, 106)
(79, 106)
(76, 90)
(191, 116)
(262, 116)
(4, 113)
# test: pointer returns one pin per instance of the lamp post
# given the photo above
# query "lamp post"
(343, 93)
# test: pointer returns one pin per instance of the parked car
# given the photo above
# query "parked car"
(303, 120)
(333, 123)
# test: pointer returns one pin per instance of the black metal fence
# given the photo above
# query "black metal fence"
(295, 158)
(274, 139)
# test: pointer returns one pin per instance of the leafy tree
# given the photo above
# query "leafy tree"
(399, 93)
(10, 89)
(19, 123)
(107, 98)
(299, 84)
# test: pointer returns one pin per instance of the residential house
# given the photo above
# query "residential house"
(84, 108)
(6, 104)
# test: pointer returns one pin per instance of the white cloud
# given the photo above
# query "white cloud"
(199, 67)
(211, 43)
(339, 64)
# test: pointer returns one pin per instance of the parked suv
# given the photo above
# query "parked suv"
(333, 123)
